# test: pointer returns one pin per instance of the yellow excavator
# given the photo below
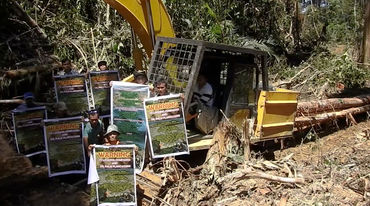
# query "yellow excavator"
(148, 19)
(237, 75)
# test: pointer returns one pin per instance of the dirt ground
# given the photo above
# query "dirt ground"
(335, 168)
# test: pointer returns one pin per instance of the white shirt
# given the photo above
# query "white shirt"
(204, 94)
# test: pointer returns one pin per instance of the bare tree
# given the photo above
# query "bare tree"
(366, 38)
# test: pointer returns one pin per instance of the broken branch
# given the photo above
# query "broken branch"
(255, 174)
(31, 69)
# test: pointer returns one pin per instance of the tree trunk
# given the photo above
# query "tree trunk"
(330, 105)
(366, 38)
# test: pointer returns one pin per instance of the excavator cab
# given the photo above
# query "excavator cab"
(237, 76)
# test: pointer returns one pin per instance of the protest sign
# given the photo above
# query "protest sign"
(99, 82)
(29, 134)
(128, 114)
(115, 167)
(72, 90)
(166, 126)
(64, 146)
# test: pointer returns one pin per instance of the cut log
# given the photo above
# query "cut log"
(12, 74)
(321, 118)
(149, 187)
(11, 101)
(331, 105)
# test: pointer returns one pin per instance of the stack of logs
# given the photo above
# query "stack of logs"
(149, 187)
(322, 111)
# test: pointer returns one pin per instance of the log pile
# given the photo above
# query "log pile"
(149, 186)
(322, 111)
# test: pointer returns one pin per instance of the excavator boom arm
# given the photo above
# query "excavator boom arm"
(144, 21)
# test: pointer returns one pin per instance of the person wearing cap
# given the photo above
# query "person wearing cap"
(111, 136)
(29, 101)
(140, 77)
(102, 65)
(93, 131)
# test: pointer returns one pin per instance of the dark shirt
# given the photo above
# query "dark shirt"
(92, 132)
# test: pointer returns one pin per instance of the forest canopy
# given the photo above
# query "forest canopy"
(324, 34)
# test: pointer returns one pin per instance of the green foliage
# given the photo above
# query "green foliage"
(324, 68)
(85, 31)
(344, 18)
(129, 95)
(345, 70)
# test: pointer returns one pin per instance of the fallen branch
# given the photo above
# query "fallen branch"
(31, 69)
(302, 83)
(255, 174)
(11, 101)
(293, 78)
(32, 23)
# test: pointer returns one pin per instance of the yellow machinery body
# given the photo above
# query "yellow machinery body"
(137, 13)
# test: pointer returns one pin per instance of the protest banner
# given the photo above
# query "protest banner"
(72, 90)
(166, 126)
(100, 88)
(115, 167)
(127, 113)
(64, 146)
(29, 134)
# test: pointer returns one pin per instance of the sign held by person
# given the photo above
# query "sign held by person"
(99, 82)
(72, 90)
(29, 134)
(64, 148)
(115, 167)
(127, 113)
(166, 126)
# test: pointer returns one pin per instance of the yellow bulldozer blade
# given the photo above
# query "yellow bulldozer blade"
(275, 114)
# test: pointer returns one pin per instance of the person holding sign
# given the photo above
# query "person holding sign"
(161, 88)
(29, 102)
(102, 65)
(67, 68)
(111, 136)
(93, 131)
(140, 77)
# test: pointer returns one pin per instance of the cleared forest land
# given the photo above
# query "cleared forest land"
(327, 170)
